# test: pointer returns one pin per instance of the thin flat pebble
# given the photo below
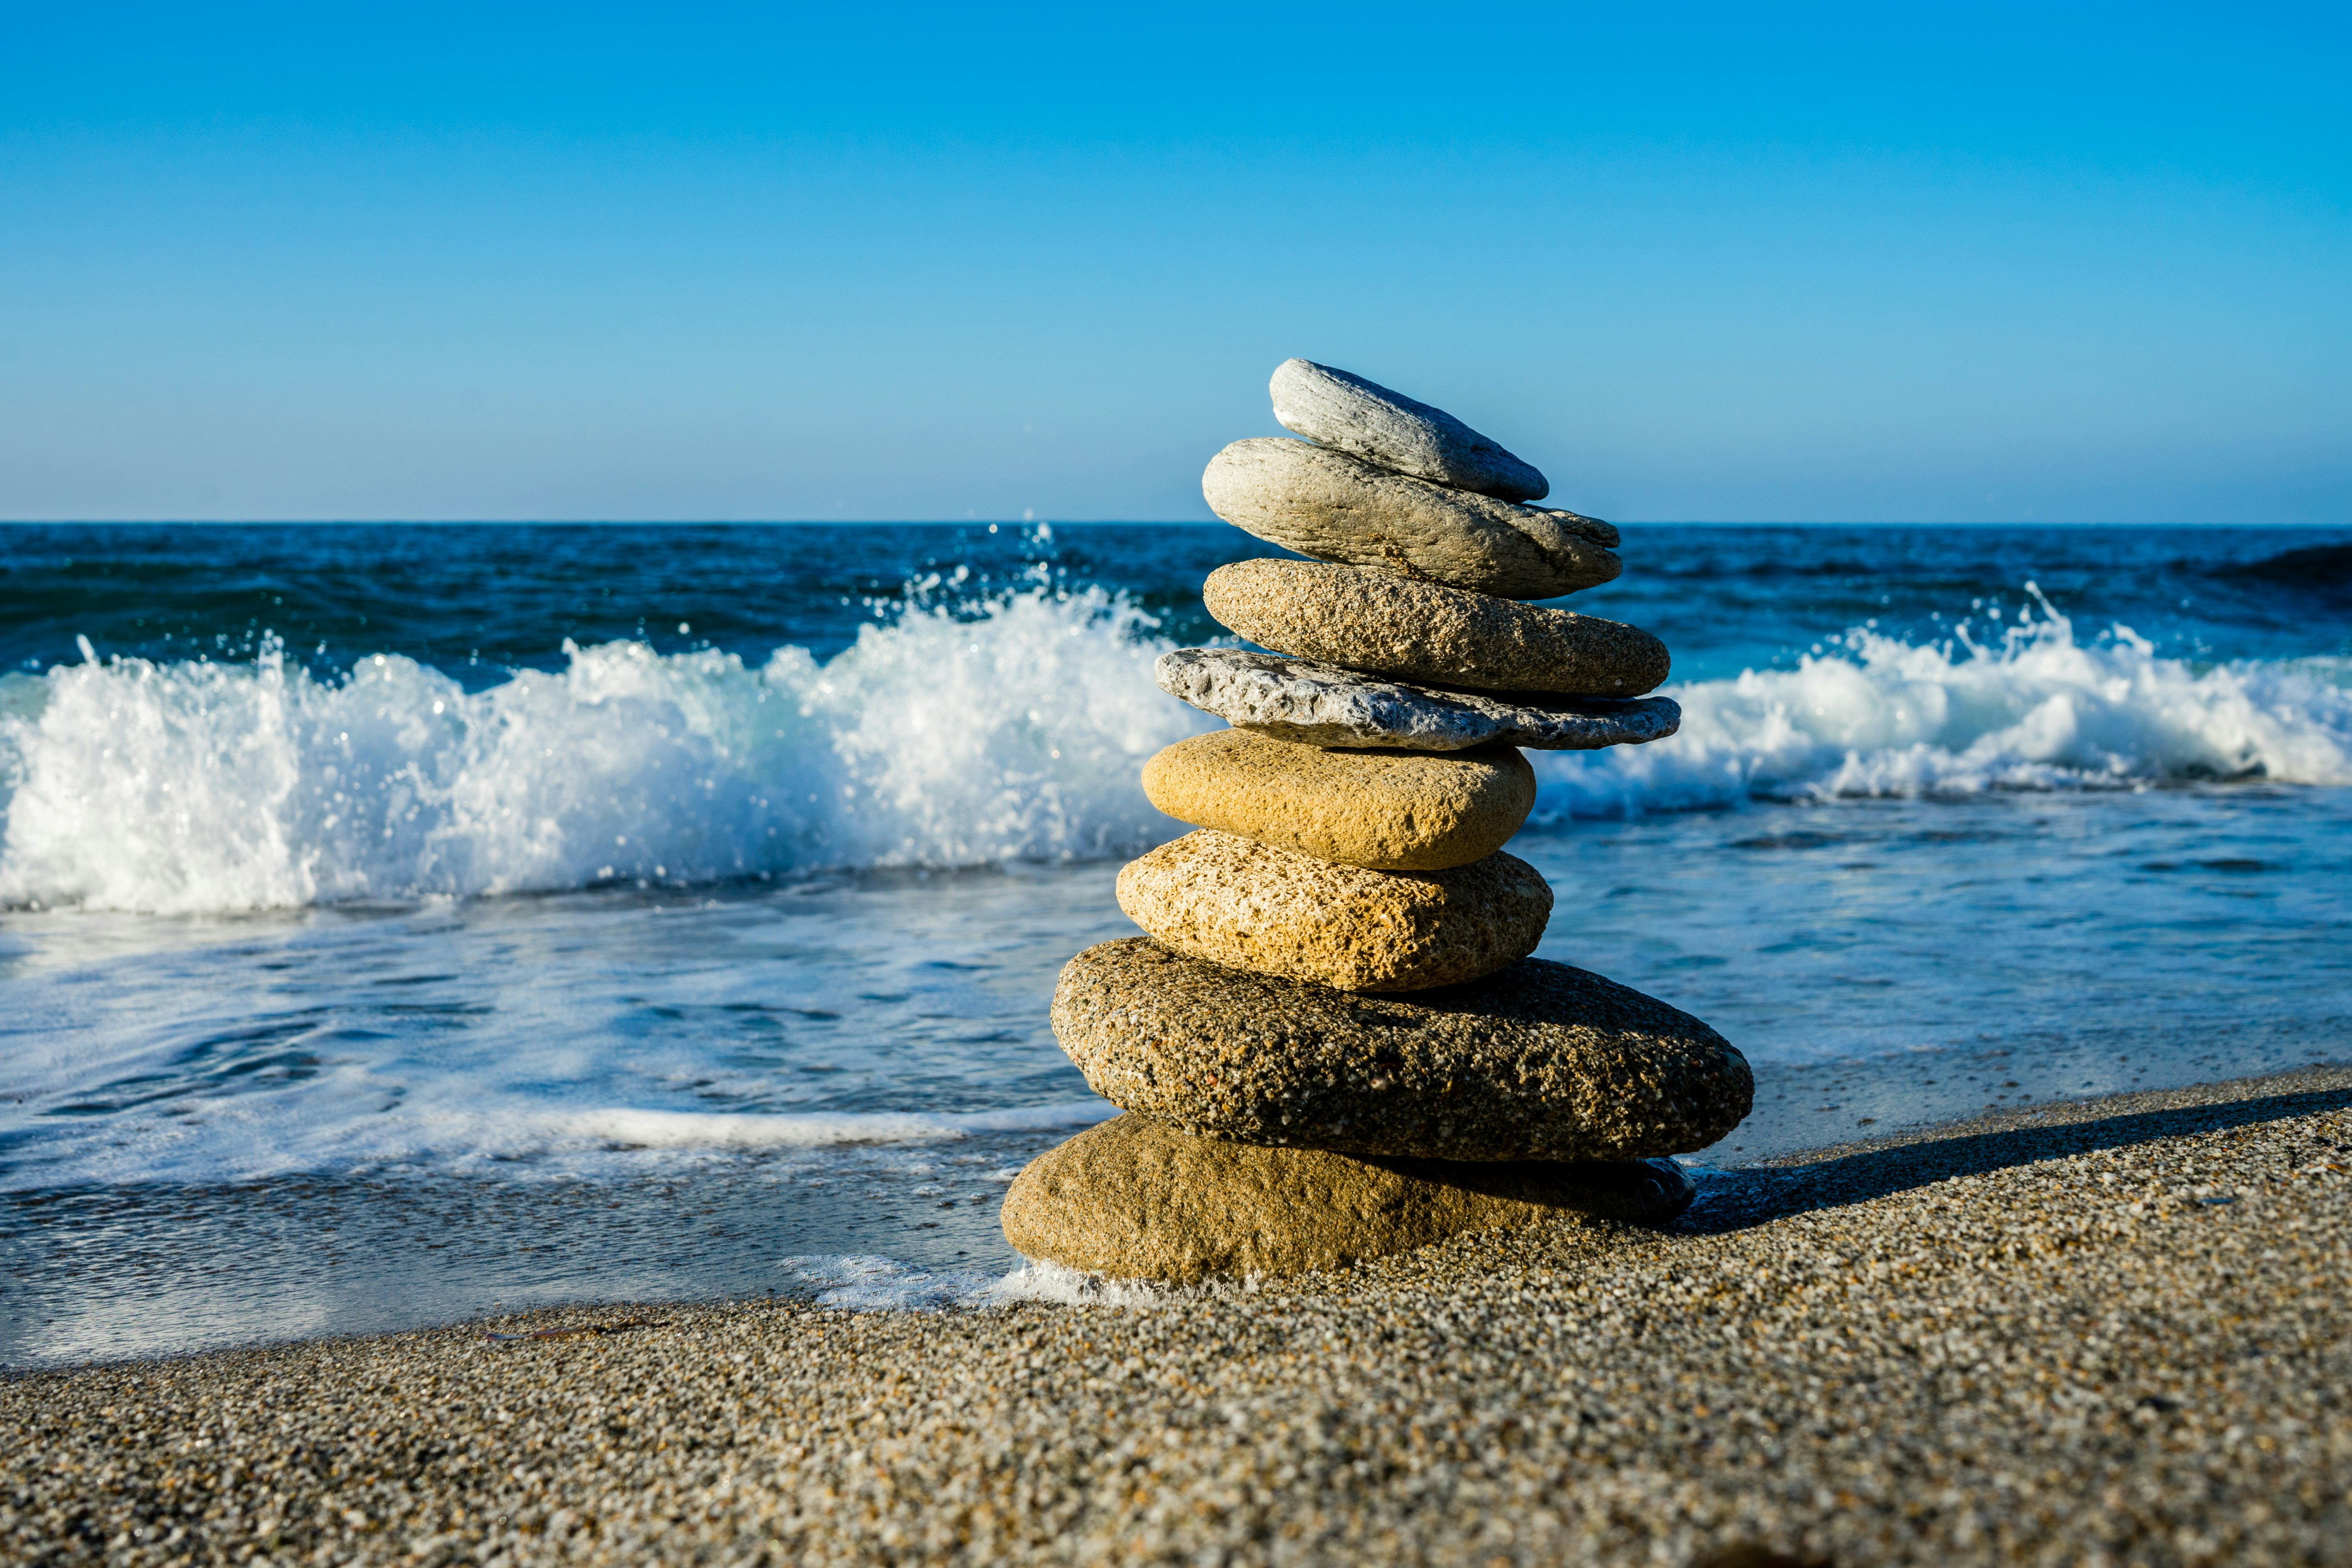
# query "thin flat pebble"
(1340, 409)
(1313, 704)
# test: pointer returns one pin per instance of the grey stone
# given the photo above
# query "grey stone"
(1539, 1061)
(1135, 1198)
(1361, 619)
(1322, 705)
(1334, 507)
(1365, 419)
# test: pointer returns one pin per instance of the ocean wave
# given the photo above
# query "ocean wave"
(2324, 568)
(1011, 729)
(949, 736)
(1868, 715)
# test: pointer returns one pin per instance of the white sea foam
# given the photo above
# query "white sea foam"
(864, 1283)
(1014, 730)
(936, 740)
(1872, 715)
(351, 1121)
(690, 1129)
(1057, 1284)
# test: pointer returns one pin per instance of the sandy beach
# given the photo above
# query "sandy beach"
(2106, 1332)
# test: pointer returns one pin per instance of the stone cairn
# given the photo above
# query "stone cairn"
(1333, 1043)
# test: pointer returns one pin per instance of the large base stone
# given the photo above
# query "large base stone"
(1362, 619)
(1317, 704)
(1217, 897)
(1337, 507)
(1137, 1199)
(1538, 1062)
(1383, 810)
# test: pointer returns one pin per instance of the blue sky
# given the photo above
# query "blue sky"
(1695, 262)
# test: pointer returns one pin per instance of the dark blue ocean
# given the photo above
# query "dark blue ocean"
(397, 920)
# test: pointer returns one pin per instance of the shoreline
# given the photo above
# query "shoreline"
(1719, 1184)
(2107, 1331)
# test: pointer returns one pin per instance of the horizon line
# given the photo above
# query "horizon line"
(1002, 522)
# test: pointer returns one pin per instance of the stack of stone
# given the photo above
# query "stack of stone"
(1333, 1043)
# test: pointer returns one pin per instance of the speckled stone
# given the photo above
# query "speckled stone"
(1135, 1198)
(1253, 906)
(1318, 704)
(1334, 507)
(1337, 409)
(1384, 810)
(1360, 618)
(1539, 1062)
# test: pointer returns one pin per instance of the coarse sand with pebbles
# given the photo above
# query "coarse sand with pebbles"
(2117, 1332)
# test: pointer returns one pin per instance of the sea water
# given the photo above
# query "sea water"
(404, 922)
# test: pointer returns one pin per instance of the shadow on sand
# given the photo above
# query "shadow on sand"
(1759, 1193)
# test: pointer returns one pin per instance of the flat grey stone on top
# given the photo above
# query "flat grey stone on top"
(1334, 507)
(1324, 705)
(1335, 409)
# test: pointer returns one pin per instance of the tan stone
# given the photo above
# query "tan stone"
(1135, 1198)
(1365, 619)
(1246, 905)
(1334, 507)
(1539, 1061)
(1385, 810)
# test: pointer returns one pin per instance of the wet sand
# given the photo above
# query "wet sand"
(2117, 1332)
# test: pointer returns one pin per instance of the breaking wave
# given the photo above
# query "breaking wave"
(1873, 715)
(1011, 729)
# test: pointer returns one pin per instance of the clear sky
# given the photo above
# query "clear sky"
(1898, 262)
